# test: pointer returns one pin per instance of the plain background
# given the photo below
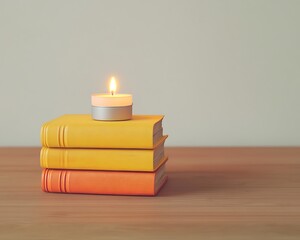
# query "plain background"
(224, 73)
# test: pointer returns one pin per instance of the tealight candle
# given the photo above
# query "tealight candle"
(112, 106)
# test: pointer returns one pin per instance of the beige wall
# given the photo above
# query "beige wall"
(223, 72)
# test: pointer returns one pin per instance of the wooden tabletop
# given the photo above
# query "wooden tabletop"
(212, 193)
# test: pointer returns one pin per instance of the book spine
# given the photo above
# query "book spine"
(98, 182)
(97, 159)
(63, 136)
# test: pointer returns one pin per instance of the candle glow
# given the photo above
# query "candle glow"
(111, 99)
(113, 86)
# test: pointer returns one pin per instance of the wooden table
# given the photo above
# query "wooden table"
(212, 193)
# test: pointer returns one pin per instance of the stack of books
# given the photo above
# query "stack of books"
(81, 155)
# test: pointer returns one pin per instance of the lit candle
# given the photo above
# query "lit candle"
(111, 106)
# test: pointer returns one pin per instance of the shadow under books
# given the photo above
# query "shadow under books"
(205, 179)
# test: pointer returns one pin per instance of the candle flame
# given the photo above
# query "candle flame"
(113, 85)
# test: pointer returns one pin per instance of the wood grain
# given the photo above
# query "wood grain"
(212, 193)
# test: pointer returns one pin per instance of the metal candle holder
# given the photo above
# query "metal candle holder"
(112, 113)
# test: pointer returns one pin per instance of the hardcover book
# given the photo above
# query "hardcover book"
(81, 131)
(104, 159)
(103, 182)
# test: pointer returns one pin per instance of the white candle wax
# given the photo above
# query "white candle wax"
(109, 100)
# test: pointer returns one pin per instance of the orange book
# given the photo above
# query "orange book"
(103, 182)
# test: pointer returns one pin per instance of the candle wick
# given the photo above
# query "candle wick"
(112, 92)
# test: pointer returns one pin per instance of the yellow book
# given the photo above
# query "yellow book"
(81, 131)
(104, 159)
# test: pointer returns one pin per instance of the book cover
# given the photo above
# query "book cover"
(103, 182)
(104, 159)
(81, 131)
